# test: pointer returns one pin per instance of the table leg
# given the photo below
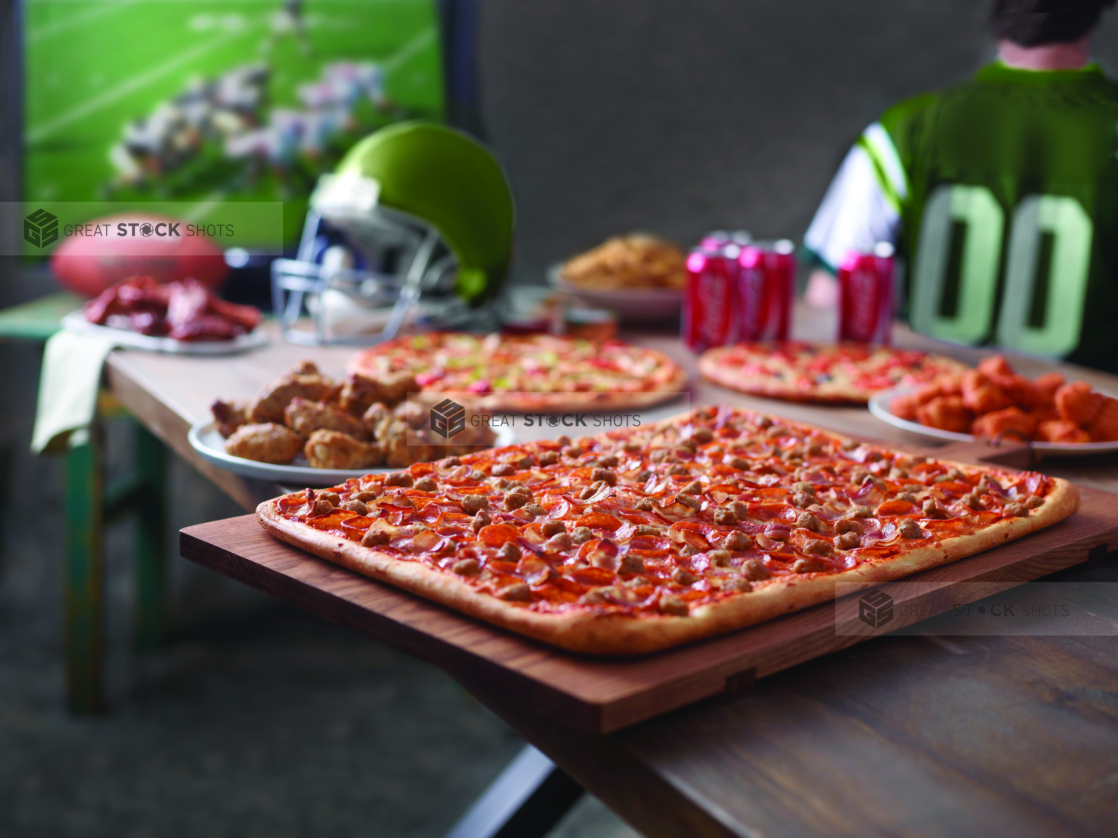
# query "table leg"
(529, 797)
(151, 534)
(85, 624)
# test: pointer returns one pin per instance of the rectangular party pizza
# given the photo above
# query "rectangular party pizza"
(640, 539)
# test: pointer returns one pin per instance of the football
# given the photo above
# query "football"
(88, 264)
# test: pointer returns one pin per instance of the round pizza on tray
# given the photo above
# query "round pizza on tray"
(844, 373)
(528, 372)
(639, 539)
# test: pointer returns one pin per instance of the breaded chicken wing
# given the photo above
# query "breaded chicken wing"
(1105, 426)
(230, 415)
(1024, 393)
(270, 402)
(305, 367)
(1061, 430)
(1078, 403)
(1047, 385)
(982, 395)
(406, 436)
(335, 450)
(1011, 421)
(906, 406)
(305, 417)
(948, 413)
(361, 391)
(376, 419)
(265, 443)
(997, 366)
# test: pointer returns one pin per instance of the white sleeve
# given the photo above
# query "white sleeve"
(862, 206)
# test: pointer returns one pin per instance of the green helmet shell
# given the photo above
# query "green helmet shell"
(453, 183)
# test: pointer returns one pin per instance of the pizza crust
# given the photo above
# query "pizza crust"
(619, 634)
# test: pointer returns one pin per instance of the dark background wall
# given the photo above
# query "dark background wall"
(678, 117)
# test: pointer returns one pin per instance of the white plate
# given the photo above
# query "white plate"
(879, 407)
(205, 439)
(75, 322)
(632, 305)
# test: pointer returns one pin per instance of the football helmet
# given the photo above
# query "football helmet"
(414, 228)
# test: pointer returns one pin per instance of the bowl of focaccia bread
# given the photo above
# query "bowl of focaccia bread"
(317, 430)
(638, 276)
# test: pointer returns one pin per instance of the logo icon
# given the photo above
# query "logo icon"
(146, 230)
(875, 609)
(448, 418)
(40, 228)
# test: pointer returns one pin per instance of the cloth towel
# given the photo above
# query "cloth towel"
(68, 387)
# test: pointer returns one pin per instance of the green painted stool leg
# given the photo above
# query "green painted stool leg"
(85, 624)
(151, 557)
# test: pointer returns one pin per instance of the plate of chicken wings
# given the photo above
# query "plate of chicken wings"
(994, 401)
(309, 429)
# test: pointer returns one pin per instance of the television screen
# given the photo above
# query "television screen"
(202, 102)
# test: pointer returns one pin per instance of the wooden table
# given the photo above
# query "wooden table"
(170, 393)
(899, 735)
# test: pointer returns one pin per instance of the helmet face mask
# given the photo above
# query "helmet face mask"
(389, 271)
(425, 216)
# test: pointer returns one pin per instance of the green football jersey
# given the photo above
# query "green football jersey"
(1002, 194)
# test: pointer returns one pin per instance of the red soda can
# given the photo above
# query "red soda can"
(720, 238)
(866, 296)
(766, 286)
(709, 297)
(714, 240)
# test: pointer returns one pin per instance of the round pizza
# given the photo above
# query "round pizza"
(845, 373)
(639, 539)
(528, 372)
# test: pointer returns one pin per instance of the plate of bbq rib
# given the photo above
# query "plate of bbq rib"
(183, 317)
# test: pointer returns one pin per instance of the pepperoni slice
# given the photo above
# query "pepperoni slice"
(495, 535)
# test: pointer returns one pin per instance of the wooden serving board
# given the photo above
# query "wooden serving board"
(602, 695)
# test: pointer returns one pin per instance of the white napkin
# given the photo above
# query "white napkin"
(68, 387)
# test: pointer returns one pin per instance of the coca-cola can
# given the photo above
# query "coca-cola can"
(766, 286)
(720, 238)
(866, 296)
(709, 303)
